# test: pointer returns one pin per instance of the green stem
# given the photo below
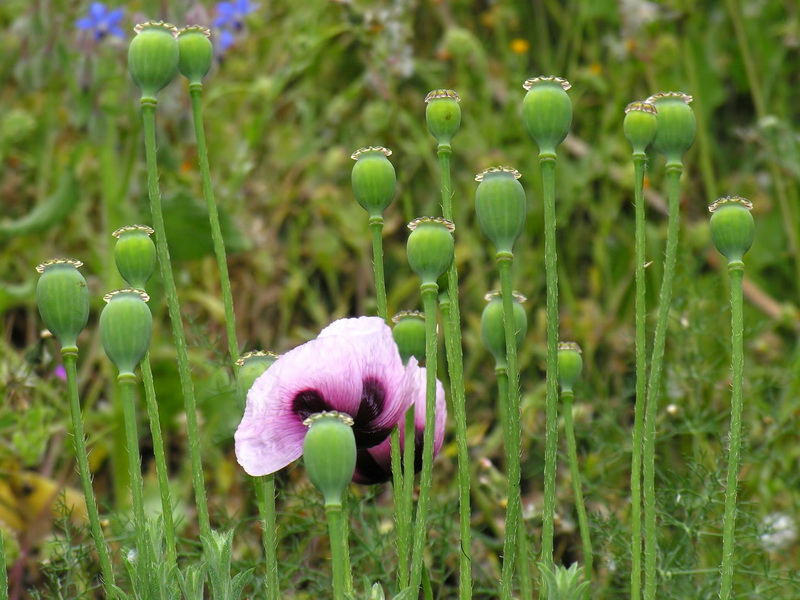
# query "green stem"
(736, 270)
(79, 440)
(654, 384)
(409, 476)
(338, 549)
(196, 92)
(455, 364)
(266, 507)
(641, 381)
(127, 386)
(161, 460)
(513, 442)
(401, 523)
(376, 228)
(548, 167)
(429, 294)
(187, 387)
(3, 570)
(567, 397)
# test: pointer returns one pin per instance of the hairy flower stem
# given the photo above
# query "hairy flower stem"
(79, 440)
(161, 461)
(409, 474)
(339, 550)
(547, 163)
(567, 397)
(641, 381)
(265, 493)
(513, 443)
(376, 229)
(736, 271)
(3, 570)
(455, 363)
(127, 385)
(187, 387)
(429, 294)
(196, 93)
(654, 385)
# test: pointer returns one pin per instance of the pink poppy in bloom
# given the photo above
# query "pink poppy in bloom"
(374, 465)
(352, 367)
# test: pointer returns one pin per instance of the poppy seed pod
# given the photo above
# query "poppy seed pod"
(373, 179)
(640, 125)
(676, 125)
(732, 227)
(493, 329)
(126, 327)
(195, 53)
(251, 366)
(153, 57)
(135, 254)
(443, 115)
(570, 365)
(430, 247)
(409, 334)
(63, 300)
(329, 453)
(547, 112)
(500, 206)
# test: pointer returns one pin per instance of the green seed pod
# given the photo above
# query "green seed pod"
(493, 330)
(195, 53)
(547, 112)
(329, 453)
(126, 327)
(251, 366)
(732, 227)
(500, 206)
(373, 179)
(63, 300)
(153, 57)
(676, 125)
(443, 115)
(135, 254)
(409, 334)
(640, 125)
(570, 365)
(430, 247)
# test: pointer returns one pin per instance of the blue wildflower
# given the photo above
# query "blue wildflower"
(225, 40)
(232, 14)
(101, 21)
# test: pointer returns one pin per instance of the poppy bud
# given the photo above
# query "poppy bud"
(135, 254)
(373, 179)
(430, 247)
(676, 128)
(443, 115)
(329, 453)
(153, 57)
(493, 330)
(640, 125)
(195, 53)
(732, 227)
(409, 334)
(570, 365)
(126, 327)
(63, 300)
(547, 112)
(500, 206)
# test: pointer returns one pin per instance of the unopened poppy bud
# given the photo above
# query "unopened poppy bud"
(547, 112)
(153, 57)
(329, 453)
(493, 330)
(430, 247)
(570, 365)
(676, 125)
(63, 300)
(443, 115)
(251, 366)
(135, 254)
(409, 334)
(500, 206)
(732, 227)
(195, 53)
(126, 327)
(640, 125)
(373, 179)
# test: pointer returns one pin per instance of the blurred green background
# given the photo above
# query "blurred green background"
(301, 87)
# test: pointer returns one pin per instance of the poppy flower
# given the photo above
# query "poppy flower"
(352, 367)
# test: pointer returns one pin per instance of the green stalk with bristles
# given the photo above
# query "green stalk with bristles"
(196, 92)
(513, 442)
(187, 386)
(161, 460)
(341, 572)
(70, 358)
(654, 385)
(3, 570)
(376, 229)
(127, 386)
(265, 493)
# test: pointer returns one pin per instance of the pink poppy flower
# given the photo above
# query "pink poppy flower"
(353, 367)
(374, 465)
